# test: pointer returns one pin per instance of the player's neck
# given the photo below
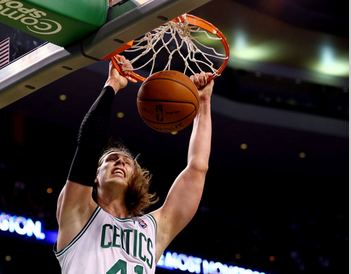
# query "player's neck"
(116, 207)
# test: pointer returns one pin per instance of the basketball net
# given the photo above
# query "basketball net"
(183, 39)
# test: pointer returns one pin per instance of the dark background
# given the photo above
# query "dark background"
(259, 202)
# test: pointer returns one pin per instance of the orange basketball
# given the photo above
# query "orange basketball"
(168, 101)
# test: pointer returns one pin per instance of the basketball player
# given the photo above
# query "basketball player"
(108, 234)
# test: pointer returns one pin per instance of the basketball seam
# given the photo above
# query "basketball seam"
(173, 81)
(166, 101)
(144, 118)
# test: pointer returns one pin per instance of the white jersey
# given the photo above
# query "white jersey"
(108, 244)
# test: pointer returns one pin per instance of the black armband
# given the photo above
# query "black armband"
(92, 139)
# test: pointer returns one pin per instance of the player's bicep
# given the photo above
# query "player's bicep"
(74, 200)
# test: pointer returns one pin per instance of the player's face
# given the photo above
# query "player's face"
(116, 167)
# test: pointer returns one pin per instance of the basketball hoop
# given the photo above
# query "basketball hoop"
(185, 36)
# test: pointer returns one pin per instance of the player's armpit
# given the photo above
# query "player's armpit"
(74, 197)
(74, 208)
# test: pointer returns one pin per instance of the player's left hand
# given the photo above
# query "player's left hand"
(204, 88)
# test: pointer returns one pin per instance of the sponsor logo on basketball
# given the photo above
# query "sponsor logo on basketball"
(168, 73)
(31, 17)
(176, 127)
(159, 113)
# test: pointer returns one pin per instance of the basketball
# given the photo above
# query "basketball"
(168, 101)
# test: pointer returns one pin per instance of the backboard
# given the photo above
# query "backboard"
(47, 62)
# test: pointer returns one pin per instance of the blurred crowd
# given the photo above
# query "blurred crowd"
(27, 187)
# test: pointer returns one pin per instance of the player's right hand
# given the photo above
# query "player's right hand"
(116, 80)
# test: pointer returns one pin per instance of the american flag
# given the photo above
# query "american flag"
(4, 52)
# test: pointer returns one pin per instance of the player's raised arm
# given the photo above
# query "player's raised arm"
(185, 194)
(75, 204)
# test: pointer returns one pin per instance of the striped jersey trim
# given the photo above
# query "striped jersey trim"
(75, 239)
(123, 220)
(153, 221)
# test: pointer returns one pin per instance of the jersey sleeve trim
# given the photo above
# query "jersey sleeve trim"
(80, 234)
(153, 221)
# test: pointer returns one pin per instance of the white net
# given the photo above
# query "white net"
(179, 46)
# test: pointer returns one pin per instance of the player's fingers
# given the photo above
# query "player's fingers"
(129, 67)
(208, 75)
(121, 58)
(125, 64)
(202, 79)
(196, 80)
(112, 69)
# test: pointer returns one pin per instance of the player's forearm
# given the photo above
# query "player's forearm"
(91, 139)
(200, 140)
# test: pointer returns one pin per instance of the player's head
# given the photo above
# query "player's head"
(136, 179)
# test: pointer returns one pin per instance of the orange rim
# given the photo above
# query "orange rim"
(133, 77)
(201, 23)
(195, 21)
